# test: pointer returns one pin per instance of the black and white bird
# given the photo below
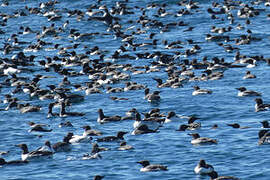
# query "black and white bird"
(199, 91)
(260, 106)
(203, 168)
(214, 176)
(13, 162)
(197, 140)
(118, 137)
(104, 119)
(244, 92)
(34, 155)
(151, 167)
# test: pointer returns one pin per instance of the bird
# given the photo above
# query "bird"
(248, 75)
(265, 124)
(104, 119)
(50, 111)
(201, 140)
(151, 123)
(237, 126)
(124, 146)
(80, 139)
(63, 112)
(33, 155)
(171, 117)
(244, 92)
(161, 84)
(25, 108)
(119, 136)
(98, 177)
(46, 147)
(264, 137)
(39, 127)
(130, 115)
(214, 176)
(147, 167)
(260, 106)
(13, 162)
(96, 148)
(65, 124)
(63, 146)
(90, 132)
(199, 91)
(87, 156)
(143, 129)
(193, 125)
(182, 127)
(203, 168)
(151, 97)
(154, 97)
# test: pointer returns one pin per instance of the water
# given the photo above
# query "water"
(237, 152)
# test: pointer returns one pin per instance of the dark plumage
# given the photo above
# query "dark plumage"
(265, 124)
(13, 162)
(214, 176)
(103, 119)
(120, 136)
(151, 167)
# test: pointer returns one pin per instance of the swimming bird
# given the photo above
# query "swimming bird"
(104, 119)
(98, 177)
(265, 124)
(143, 129)
(13, 162)
(63, 146)
(117, 98)
(124, 146)
(39, 127)
(190, 126)
(147, 167)
(260, 106)
(107, 18)
(182, 127)
(171, 117)
(91, 156)
(237, 126)
(25, 108)
(130, 115)
(248, 75)
(150, 122)
(34, 155)
(214, 176)
(90, 132)
(119, 136)
(46, 147)
(215, 126)
(65, 124)
(203, 168)
(193, 125)
(201, 140)
(199, 91)
(79, 139)
(264, 137)
(96, 148)
(161, 84)
(154, 97)
(63, 112)
(244, 92)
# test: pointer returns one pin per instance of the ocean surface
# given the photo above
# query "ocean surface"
(237, 152)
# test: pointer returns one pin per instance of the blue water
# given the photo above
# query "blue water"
(237, 152)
